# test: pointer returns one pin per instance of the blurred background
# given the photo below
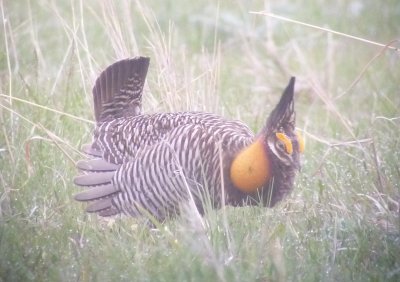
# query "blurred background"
(340, 223)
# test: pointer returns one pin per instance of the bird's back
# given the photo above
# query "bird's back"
(120, 140)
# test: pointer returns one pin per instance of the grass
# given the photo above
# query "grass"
(341, 223)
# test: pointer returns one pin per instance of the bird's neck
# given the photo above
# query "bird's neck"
(250, 169)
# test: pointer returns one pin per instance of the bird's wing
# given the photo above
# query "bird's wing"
(150, 163)
(156, 182)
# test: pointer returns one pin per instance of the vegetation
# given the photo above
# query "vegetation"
(341, 223)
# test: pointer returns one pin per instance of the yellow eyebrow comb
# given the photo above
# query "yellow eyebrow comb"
(286, 141)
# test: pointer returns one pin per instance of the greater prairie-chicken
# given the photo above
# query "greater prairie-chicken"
(152, 163)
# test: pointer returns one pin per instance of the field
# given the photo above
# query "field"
(341, 223)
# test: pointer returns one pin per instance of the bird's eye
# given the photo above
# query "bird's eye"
(280, 145)
(285, 141)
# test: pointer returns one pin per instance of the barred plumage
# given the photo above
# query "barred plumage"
(152, 164)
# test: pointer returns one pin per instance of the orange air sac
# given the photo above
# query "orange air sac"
(250, 169)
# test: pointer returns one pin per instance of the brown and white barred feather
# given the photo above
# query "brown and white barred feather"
(118, 90)
(151, 164)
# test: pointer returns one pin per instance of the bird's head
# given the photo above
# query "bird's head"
(281, 137)
(269, 164)
(284, 145)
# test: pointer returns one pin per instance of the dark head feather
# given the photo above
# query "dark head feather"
(283, 116)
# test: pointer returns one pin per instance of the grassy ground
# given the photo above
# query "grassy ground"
(340, 224)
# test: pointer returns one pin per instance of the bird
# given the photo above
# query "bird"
(150, 164)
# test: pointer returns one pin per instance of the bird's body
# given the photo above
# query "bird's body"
(151, 164)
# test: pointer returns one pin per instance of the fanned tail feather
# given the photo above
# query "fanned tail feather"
(117, 93)
(118, 90)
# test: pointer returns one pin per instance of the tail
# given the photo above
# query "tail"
(118, 89)
(117, 93)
